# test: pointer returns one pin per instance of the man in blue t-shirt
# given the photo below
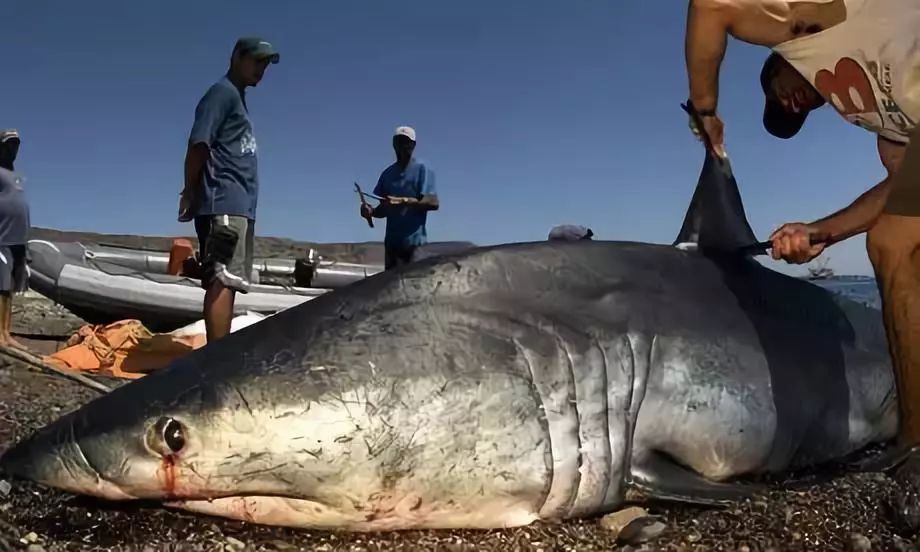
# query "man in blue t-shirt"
(408, 191)
(222, 185)
(14, 235)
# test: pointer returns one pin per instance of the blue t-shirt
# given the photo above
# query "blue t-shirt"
(406, 224)
(231, 184)
(14, 210)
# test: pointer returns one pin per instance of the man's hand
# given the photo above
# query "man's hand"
(186, 205)
(196, 157)
(792, 243)
(367, 211)
(714, 129)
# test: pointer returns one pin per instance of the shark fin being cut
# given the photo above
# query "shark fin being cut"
(716, 221)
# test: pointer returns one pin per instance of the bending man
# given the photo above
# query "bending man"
(859, 56)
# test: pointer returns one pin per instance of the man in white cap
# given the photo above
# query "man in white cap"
(14, 234)
(408, 191)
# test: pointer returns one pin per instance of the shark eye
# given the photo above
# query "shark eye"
(166, 437)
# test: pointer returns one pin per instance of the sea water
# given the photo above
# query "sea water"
(857, 288)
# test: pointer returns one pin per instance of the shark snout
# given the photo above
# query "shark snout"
(53, 457)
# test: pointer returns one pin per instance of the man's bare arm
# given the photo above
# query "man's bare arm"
(860, 215)
(429, 203)
(195, 159)
(710, 22)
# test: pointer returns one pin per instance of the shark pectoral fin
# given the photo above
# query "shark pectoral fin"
(657, 477)
(888, 460)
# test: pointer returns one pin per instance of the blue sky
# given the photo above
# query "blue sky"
(532, 113)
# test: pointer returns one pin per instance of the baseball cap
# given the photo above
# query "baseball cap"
(9, 134)
(408, 132)
(257, 47)
(776, 120)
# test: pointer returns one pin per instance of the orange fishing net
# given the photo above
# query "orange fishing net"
(124, 349)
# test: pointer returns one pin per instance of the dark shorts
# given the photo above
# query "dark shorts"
(397, 256)
(904, 196)
(221, 259)
(14, 269)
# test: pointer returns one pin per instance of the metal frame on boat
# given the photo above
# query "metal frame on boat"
(324, 273)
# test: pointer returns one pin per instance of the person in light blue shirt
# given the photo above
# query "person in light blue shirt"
(409, 192)
(15, 226)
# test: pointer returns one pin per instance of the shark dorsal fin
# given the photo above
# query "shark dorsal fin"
(715, 220)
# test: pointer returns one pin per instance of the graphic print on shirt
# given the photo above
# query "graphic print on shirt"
(847, 87)
(849, 90)
(248, 144)
(883, 81)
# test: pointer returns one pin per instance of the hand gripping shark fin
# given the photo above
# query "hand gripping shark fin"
(715, 221)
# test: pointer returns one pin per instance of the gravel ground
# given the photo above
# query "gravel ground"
(37, 317)
(842, 512)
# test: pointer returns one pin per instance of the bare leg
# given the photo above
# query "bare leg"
(218, 310)
(6, 324)
(894, 248)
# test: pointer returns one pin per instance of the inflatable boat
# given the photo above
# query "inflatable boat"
(103, 284)
(311, 271)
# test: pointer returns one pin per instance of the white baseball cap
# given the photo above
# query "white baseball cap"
(408, 132)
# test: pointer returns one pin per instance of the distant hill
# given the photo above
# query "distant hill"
(266, 246)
